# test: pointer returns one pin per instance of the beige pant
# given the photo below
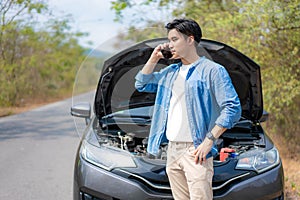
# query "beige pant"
(187, 179)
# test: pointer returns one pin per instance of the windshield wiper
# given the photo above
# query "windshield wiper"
(113, 118)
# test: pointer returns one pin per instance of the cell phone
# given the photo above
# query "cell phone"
(166, 53)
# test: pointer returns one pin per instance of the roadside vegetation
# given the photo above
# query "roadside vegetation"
(267, 31)
(40, 54)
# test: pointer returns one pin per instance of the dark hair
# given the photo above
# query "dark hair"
(187, 27)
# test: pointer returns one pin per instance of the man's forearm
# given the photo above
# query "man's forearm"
(217, 131)
(149, 66)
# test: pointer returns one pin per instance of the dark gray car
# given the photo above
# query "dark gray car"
(112, 162)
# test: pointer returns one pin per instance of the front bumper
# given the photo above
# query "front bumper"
(91, 182)
(98, 183)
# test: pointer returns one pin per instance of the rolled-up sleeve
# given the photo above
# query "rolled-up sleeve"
(148, 82)
(144, 83)
(227, 99)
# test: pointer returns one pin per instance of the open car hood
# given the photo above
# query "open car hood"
(116, 89)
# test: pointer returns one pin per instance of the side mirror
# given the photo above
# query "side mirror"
(264, 116)
(82, 110)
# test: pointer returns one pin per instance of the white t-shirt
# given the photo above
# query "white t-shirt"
(178, 129)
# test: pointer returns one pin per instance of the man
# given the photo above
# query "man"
(195, 103)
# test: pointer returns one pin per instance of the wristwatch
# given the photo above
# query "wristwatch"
(210, 136)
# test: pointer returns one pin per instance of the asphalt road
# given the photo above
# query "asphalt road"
(37, 152)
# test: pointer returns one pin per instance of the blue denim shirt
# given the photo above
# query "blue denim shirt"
(210, 99)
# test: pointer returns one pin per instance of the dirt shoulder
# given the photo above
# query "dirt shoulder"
(291, 162)
(16, 110)
(30, 104)
(290, 158)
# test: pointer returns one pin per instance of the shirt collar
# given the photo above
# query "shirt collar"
(178, 65)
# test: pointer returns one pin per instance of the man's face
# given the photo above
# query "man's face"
(178, 44)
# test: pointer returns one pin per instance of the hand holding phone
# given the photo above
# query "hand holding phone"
(167, 53)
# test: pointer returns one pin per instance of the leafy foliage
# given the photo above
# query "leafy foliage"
(36, 60)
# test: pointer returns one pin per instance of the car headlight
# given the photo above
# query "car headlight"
(106, 157)
(259, 160)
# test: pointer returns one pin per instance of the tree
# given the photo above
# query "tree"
(12, 12)
(37, 60)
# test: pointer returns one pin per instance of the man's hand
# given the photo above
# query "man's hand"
(205, 147)
(157, 51)
(154, 58)
(202, 150)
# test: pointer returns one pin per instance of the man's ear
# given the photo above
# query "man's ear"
(191, 40)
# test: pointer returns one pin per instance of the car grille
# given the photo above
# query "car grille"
(154, 186)
(165, 188)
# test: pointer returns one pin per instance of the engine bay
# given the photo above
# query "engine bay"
(243, 137)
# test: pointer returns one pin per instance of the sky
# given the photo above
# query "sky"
(93, 16)
(96, 18)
